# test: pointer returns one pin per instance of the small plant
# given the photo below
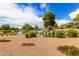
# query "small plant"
(63, 49)
(28, 44)
(1, 33)
(3, 40)
(30, 34)
(72, 33)
(26, 35)
(69, 50)
(59, 34)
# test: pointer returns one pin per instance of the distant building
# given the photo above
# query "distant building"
(69, 25)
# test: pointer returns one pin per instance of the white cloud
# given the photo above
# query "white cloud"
(62, 21)
(74, 13)
(18, 16)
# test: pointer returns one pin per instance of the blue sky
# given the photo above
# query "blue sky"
(61, 10)
(20, 13)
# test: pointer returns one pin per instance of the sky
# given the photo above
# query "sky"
(18, 14)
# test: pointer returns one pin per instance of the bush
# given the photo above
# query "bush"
(30, 34)
(69, 50)
(72, 33)
(3, 40)
(73, 51)
(48, 33)
(26, 35)
(63, 49)
(59, 34)
(1, 33)
(28, 44)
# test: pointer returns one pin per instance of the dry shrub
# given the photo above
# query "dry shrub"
(59, 34)
(72, 33)
(69, 50)
(28, 44)
(3, 40)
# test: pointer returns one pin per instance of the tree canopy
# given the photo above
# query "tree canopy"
(7, 27)
(76, 19)
(49, 19)
(27, 27)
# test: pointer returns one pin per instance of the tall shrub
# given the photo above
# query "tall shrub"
(59, 34)
(72, 33)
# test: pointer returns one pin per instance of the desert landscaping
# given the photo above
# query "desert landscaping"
(32, 41)
(43, 46)
(25, 33)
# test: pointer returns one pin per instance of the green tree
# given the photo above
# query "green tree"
(5, 27)
(76, 19)
(14, 28)
(49, 19)
(27, 27)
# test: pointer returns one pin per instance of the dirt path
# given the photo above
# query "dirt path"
(43, 46)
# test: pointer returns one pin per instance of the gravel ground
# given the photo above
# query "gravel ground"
(43, 46)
